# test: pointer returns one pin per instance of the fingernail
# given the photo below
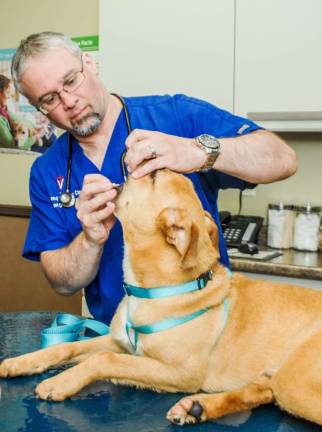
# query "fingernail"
(115, 184)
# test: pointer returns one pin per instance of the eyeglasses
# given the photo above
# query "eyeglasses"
(52, 100)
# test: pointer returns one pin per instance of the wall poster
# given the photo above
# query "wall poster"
(23, 129)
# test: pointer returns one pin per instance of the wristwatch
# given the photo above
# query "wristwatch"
(211, 146)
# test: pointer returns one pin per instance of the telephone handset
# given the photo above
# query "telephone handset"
(240, 229)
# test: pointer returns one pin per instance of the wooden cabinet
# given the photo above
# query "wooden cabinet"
(23, 284)
(181, 46)
(279, 63)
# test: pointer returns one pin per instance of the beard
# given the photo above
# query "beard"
(87, 125)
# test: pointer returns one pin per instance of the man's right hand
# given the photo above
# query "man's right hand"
(95, 208)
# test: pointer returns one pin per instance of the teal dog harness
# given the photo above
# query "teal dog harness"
(164, 292)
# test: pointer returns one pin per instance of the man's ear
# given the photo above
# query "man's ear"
(89, 61)
(180, 232)
(212, 229)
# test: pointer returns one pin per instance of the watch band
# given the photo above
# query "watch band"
(210, 145)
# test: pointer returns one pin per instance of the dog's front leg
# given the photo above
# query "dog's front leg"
(202, 407)
(56, 355)
(123, 368)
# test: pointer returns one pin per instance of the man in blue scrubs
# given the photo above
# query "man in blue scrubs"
(82, 246)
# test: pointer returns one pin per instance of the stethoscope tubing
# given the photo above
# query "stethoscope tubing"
(67, 198)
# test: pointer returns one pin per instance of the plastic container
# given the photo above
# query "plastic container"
(307, 228)
(280, 226)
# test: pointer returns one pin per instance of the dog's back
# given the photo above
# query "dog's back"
(267, 321)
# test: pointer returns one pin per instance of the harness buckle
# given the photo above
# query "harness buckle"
(204, 278)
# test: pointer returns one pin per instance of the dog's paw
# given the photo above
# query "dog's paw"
(11, 367)
(22, 365)
(187, 411)
(51, 390)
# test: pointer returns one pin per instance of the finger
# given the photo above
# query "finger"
(137, 135)
(97, 202)
(94, 188)
(149, 166)
(139, 153)
(91, 178)
(99, 216)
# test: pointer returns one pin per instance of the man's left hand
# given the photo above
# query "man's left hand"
(148, 151)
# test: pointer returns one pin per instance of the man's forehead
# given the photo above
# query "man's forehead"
(59, 57)
(44, 72)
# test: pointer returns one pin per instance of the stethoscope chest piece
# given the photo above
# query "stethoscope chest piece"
(67, 199)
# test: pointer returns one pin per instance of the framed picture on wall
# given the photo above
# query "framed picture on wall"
(22, 127)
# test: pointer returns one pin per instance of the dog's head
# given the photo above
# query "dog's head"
(168, 236)
(24, 135)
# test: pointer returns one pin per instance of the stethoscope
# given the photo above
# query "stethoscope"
(67, 198)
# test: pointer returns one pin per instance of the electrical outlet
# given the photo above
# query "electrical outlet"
(249, 192)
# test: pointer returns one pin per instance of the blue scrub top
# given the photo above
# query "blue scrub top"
(52, 227)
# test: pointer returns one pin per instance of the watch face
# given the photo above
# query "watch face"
(209, 141)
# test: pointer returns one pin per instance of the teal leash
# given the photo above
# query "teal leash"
(70, 328)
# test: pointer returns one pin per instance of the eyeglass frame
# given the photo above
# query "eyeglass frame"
(44, 111)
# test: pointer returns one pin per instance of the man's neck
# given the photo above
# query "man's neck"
(95, 145)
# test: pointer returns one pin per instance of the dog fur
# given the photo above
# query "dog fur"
(22, 132)
(269, 351)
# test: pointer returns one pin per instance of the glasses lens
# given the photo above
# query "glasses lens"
(74, 82)
(53, 100)
(49, 103)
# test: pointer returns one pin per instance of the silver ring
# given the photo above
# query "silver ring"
(153, 152)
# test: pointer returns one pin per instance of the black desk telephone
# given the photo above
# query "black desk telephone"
(240, 229)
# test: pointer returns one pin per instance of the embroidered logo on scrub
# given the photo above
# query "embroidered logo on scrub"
(60, 182)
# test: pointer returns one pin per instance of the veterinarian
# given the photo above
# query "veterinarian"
(6, 122)
(82, 246)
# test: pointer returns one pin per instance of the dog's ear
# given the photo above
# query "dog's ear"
(212, 229)
(181, 232)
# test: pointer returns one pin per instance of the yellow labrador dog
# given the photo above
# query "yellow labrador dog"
(187, 325)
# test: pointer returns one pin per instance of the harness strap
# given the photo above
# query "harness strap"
(168, 291)
(134, 331)
(158, 326)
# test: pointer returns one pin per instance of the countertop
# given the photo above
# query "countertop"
(292, 263)
(104, 406)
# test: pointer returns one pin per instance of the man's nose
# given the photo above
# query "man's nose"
(68, 100)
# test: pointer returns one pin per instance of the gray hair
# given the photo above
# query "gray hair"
(37, 45)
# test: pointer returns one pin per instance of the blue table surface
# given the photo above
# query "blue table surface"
(104, 406)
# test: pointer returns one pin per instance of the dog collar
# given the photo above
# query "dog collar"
(168, 291)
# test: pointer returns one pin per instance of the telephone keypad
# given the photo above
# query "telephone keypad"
(232, 233)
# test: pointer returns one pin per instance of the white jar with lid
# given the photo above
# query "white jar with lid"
(280, 226)
(306, 228)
